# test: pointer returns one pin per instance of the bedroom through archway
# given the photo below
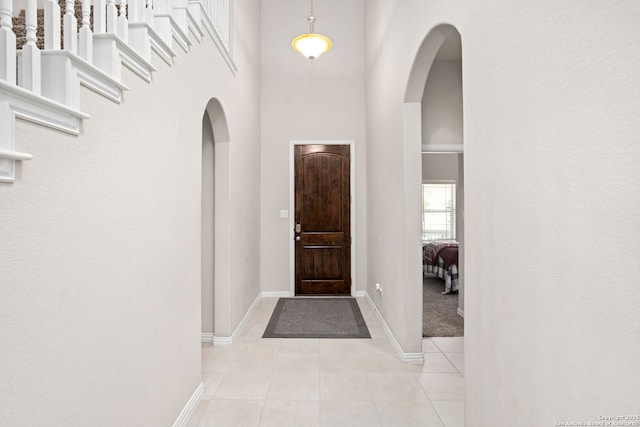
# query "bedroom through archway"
(435, 86)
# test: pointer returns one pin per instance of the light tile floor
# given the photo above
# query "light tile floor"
(327, 382)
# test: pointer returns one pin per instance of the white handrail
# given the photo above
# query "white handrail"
(14, 155)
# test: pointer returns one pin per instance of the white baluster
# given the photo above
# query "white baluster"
(112, 17)
(70, 28)
(216, 16)
(85, 41)
(51, 25)
(224, 23)
(123, 25)
(99, 16)
(7, 43)
(149, 13)
(136, 11)
(29, 76)
(205, 5)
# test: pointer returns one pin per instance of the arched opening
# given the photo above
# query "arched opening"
(215, 235)
(207, 227)
(433, 99)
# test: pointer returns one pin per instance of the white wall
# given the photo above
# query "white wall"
(100, 246)
(440, 167)
(207, 232)
(302, 100)
(442, 104)
(551, 93)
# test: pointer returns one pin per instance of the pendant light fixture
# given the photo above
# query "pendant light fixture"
(311, 45)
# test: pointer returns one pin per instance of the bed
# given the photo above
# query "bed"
(441, 260)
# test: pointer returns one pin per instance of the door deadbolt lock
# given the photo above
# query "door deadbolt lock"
(298, 228)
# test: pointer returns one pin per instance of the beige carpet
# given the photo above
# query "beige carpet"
(440, 316)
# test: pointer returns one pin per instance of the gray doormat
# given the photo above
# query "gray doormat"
(316, 318)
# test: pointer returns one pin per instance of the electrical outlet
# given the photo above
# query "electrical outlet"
(379, 289)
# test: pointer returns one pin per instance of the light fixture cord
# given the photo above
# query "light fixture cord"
(311, 18)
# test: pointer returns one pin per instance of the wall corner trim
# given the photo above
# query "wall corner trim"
(413, 358)
(188, 409)
(442, 148)
(460, 312)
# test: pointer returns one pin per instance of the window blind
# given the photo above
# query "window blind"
(438, 211)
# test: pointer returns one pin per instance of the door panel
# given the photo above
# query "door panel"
(322, 209)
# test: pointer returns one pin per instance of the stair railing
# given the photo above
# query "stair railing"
(70, 23)
(85, 35)
(28, 85)
(123, 23)
(7, 43)
(112, 17)
(51, 25)
(29, 62)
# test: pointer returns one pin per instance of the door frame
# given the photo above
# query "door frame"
(352, 213)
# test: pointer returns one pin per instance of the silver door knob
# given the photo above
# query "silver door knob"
(298, 238)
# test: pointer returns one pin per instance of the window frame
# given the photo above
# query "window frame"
(453, 211)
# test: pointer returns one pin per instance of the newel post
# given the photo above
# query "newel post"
(7, 43)
(123, 23)
(112, 17)
(30, 68)
(51, 25)
(99, 16)
(85, 39)
(149, 13)
(70, 28)
(136, 11)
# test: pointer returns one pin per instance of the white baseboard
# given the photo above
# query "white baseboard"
(416, 358)
(222, 340)
(188, 409)
(228, 340)
(361, 293)
(275, 294)
(206, 337)
(460, 312)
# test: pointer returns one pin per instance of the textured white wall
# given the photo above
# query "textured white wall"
(100, 246)
(551, 92)
(300, 100)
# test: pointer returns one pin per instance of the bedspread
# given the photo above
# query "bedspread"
(432, 249)
(441, 260)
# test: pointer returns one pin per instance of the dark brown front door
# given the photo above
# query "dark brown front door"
(322, 218)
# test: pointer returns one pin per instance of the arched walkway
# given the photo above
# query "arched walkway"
(215, 239)
(412, 145)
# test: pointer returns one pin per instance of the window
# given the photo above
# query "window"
(439, 211)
